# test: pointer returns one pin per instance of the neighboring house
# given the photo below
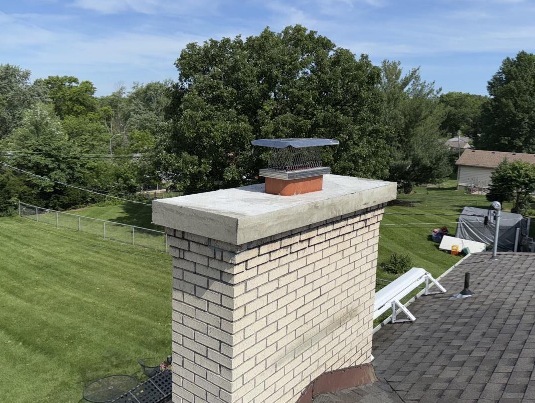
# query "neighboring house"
(475, 167)
(456, 144)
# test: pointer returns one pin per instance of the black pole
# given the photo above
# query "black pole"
(466, 290)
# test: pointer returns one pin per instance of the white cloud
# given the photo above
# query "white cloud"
(56, 49)
(462, 28)
(286, 14)
(19, 31)
(121, 58)
(510, 1)
(118, 6)
(280, 15)
(125, 48)
(149, 7)
(125, 40)
(350, 3)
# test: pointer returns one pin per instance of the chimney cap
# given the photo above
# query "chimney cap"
(294, 143)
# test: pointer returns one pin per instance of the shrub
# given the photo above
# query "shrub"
(397, 264)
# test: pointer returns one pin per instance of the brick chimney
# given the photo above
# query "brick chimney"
(270, 292)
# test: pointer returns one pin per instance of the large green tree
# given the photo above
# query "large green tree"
(114, 112)
(509, 115)
(513, 181)
(412, 114)
(17, 94)
(136, 122)
(70, 96)
(462, 113)
(46, 159)
(295, 83)
(104, 144)
(13, 187)
(87, 132)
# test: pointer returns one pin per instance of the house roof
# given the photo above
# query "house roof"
(491, 159)
(458, 142)
(473, 349)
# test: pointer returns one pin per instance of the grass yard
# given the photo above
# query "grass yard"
(74, 308)
(126, 213)
(406, 227)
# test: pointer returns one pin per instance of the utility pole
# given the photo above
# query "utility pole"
(458, 144)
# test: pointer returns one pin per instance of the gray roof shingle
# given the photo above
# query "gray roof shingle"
(478, 348)
(491, 159)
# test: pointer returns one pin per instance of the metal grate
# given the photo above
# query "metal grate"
(154, 390)
(293, 159)
(294, 154)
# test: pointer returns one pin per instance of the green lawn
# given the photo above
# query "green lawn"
(74, 308)
(126, 213)
(406, 227)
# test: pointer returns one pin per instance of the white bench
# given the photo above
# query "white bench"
(389, 297)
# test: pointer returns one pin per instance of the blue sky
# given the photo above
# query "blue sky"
(458, 44)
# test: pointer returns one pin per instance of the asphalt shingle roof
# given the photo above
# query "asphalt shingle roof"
(478, 349)
(491, 159)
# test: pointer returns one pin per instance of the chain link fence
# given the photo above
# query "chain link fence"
(108, 230)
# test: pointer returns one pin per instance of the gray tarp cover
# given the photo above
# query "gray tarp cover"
(472, 226)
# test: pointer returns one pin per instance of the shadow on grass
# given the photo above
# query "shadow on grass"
(139, 215)
(460, 207)
(441, 189)
(404, 202)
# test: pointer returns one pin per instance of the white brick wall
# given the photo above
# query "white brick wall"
(258, 322)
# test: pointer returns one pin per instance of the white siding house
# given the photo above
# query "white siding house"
(474, 176)
(475, 167)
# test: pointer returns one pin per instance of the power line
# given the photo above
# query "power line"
(96, 156)
(71, 186)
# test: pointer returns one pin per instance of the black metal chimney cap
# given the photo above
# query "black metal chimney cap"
(294, 143)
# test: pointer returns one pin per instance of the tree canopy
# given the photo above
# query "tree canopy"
(17, 93)
(290, 84)
(42, 149)
(509, 116)
(70, 96)
(462, 114)
(412, 115)
(513, 181)
(195, 134)
(66, 136)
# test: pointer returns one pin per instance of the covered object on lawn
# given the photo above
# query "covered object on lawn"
(479, 225)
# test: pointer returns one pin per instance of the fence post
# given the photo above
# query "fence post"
(22, 207)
